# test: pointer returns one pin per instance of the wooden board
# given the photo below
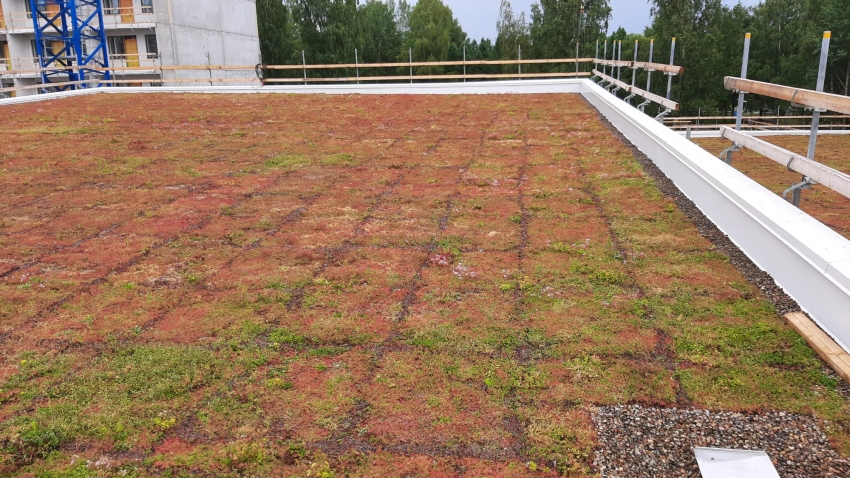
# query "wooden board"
(837, 358)
(131, 51)
(6, 56)
(810, 98)
(126, 8)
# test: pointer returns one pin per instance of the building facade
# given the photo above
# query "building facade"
(144, 34)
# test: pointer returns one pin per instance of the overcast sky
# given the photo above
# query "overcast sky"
(479, 17)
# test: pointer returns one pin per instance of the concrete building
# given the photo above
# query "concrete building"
(148, 33)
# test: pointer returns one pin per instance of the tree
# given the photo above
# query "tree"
(513, 33)
(558, 25)
(434, 35)
(327, 29)
(277, 39)
(709, 41)
(834, 15)
(380, 38)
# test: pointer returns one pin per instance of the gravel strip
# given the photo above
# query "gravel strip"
(655, 442)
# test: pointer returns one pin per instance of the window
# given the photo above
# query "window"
(110, 7)
(150, 43)
(147, 6)
(116, 46)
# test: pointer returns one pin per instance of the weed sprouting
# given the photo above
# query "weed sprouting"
(287, 337)
(288, 161)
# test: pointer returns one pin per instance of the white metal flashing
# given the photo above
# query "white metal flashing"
(805, 257)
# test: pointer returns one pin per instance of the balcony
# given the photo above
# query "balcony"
(28, 67)
(113, 18)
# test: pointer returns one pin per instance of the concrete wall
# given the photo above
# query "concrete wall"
(226, 30)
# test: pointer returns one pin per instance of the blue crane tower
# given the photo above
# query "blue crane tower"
(71, 43)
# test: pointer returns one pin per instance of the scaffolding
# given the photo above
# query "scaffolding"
(71, 43)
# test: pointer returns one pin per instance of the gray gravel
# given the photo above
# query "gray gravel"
(654, 442)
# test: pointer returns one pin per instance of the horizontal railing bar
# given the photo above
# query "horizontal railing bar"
(798, 96)
(140, 80)
(672, 69)
(637, 91)
(692, 118)
(796, 127)
(426, 77)
(829, 177)
(431, 63)
(312, 67)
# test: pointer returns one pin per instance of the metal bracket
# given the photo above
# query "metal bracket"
(615, 90)
(628, 98)
(797, 189)
(663, 114)
(726, 154)
(643, 105)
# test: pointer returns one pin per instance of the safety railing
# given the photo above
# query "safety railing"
(813, 172)
(260, 73)
(126, 15)
(134, 60)
(111, 16)
(795, 96)
(822, 174)
(19, 65)
(615, 84)
(20, 21)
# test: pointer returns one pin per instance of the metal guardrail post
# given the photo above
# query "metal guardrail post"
(634, 74)
(519, 57)
(410, 56)
(824, 56)
(649, 71)
(669, 76)
(464, 63)
(577, 58)
(304, 62)
(357, 66)
(807, 183)
(619, 58)
(605, 57)
(739, 117)
(595, 61)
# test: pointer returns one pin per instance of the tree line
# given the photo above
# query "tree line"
(785, 48)
(329, 32)
(710, 36)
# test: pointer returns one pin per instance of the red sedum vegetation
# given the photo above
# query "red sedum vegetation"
(356, 285)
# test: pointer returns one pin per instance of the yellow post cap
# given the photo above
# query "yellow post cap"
(827, 35)
(748, 35)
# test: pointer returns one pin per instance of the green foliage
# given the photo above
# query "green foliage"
(139, 385)
(435, 35)
(287, 337)
(785, 48)
(557, 25)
